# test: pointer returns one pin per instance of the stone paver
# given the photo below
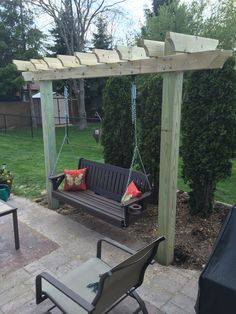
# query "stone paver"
(167, 290)
(184, 302)
(172, 308)
(191, 289)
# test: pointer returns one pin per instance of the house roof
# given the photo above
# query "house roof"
(55, 95)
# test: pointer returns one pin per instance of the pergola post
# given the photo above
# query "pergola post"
(170, 134)
(49, 137)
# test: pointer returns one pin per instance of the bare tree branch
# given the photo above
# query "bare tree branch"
(74, 19)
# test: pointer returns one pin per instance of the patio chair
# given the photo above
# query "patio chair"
(95, 287)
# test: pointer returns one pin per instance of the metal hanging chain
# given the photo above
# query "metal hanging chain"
(66, 135)
(66, 110)
(58, 155)
(136, 149)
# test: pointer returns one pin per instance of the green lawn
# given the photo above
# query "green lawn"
(24, 156)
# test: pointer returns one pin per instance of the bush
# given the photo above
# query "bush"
(117, 129)
(150, 102)
(208, 133)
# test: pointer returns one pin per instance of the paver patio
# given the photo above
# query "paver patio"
(55, 243)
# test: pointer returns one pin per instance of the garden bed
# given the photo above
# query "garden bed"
(195, 236)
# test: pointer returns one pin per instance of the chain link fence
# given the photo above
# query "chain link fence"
(11, 123)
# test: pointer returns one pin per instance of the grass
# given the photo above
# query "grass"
(24, 156)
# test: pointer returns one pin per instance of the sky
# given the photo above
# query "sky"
(136, 11)
(123, 30)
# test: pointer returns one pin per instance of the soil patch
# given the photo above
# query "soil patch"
(195, 236)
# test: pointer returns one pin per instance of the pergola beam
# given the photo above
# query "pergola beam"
(131, 53)
(190, 43)
(153, 48)
(173, 63)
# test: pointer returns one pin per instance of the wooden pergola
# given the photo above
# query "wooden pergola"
(179, 53)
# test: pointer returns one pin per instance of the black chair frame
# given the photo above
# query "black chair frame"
(90, 307)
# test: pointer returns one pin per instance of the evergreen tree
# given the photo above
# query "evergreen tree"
(175, 16)
(150, 102)
(156, 4)
(19, 39)
(59, 47)
(101, 39)
(94, 87)
(10, 82)
(208, 133)
(63, 44)
(117, 129)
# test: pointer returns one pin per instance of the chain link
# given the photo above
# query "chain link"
(136, 149)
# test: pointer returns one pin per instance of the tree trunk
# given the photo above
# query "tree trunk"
(82, 112)
(79, 95)
(32, 109)
(201, 198)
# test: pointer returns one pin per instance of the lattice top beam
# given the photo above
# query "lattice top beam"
(196, 53)
(153, 48)
(131, 53)
(189, 43)
(86, 58)
(180, 62)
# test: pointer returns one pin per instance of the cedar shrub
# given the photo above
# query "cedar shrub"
(117, 129)
(208, 133)
(150, 102)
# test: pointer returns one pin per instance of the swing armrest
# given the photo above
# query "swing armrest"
(56, 180)
(137, 199)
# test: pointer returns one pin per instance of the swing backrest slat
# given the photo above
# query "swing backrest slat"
(110, 181)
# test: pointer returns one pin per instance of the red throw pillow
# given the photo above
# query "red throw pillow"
(131, 192)
(75, 180)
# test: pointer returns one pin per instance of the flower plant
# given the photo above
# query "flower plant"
(6, 176)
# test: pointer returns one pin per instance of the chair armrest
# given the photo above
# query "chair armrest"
(113, 243)
(57, 180)
(137, 199)
(64, 289)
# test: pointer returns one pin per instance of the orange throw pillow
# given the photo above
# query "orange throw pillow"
(75, 180)
(131, 192)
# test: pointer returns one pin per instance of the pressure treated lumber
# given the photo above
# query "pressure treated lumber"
(106, 56)
(49, 138)
(169, 153)
(173, 63)
(24, 65)
(39, 64)
(86, 58)
(190, 43)
(53, 63)
(170, 133)
(69, 61)
(153, 48)
(131, 53)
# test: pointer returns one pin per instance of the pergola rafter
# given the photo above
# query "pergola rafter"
(55, 69)
(171, 58)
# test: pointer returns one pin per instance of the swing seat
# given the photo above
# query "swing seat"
(106, 185)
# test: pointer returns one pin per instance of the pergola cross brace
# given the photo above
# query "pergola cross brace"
(171, 58)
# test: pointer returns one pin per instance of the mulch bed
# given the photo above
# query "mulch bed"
(195, 236)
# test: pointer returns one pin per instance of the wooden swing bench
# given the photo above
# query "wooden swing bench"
(106, 185)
